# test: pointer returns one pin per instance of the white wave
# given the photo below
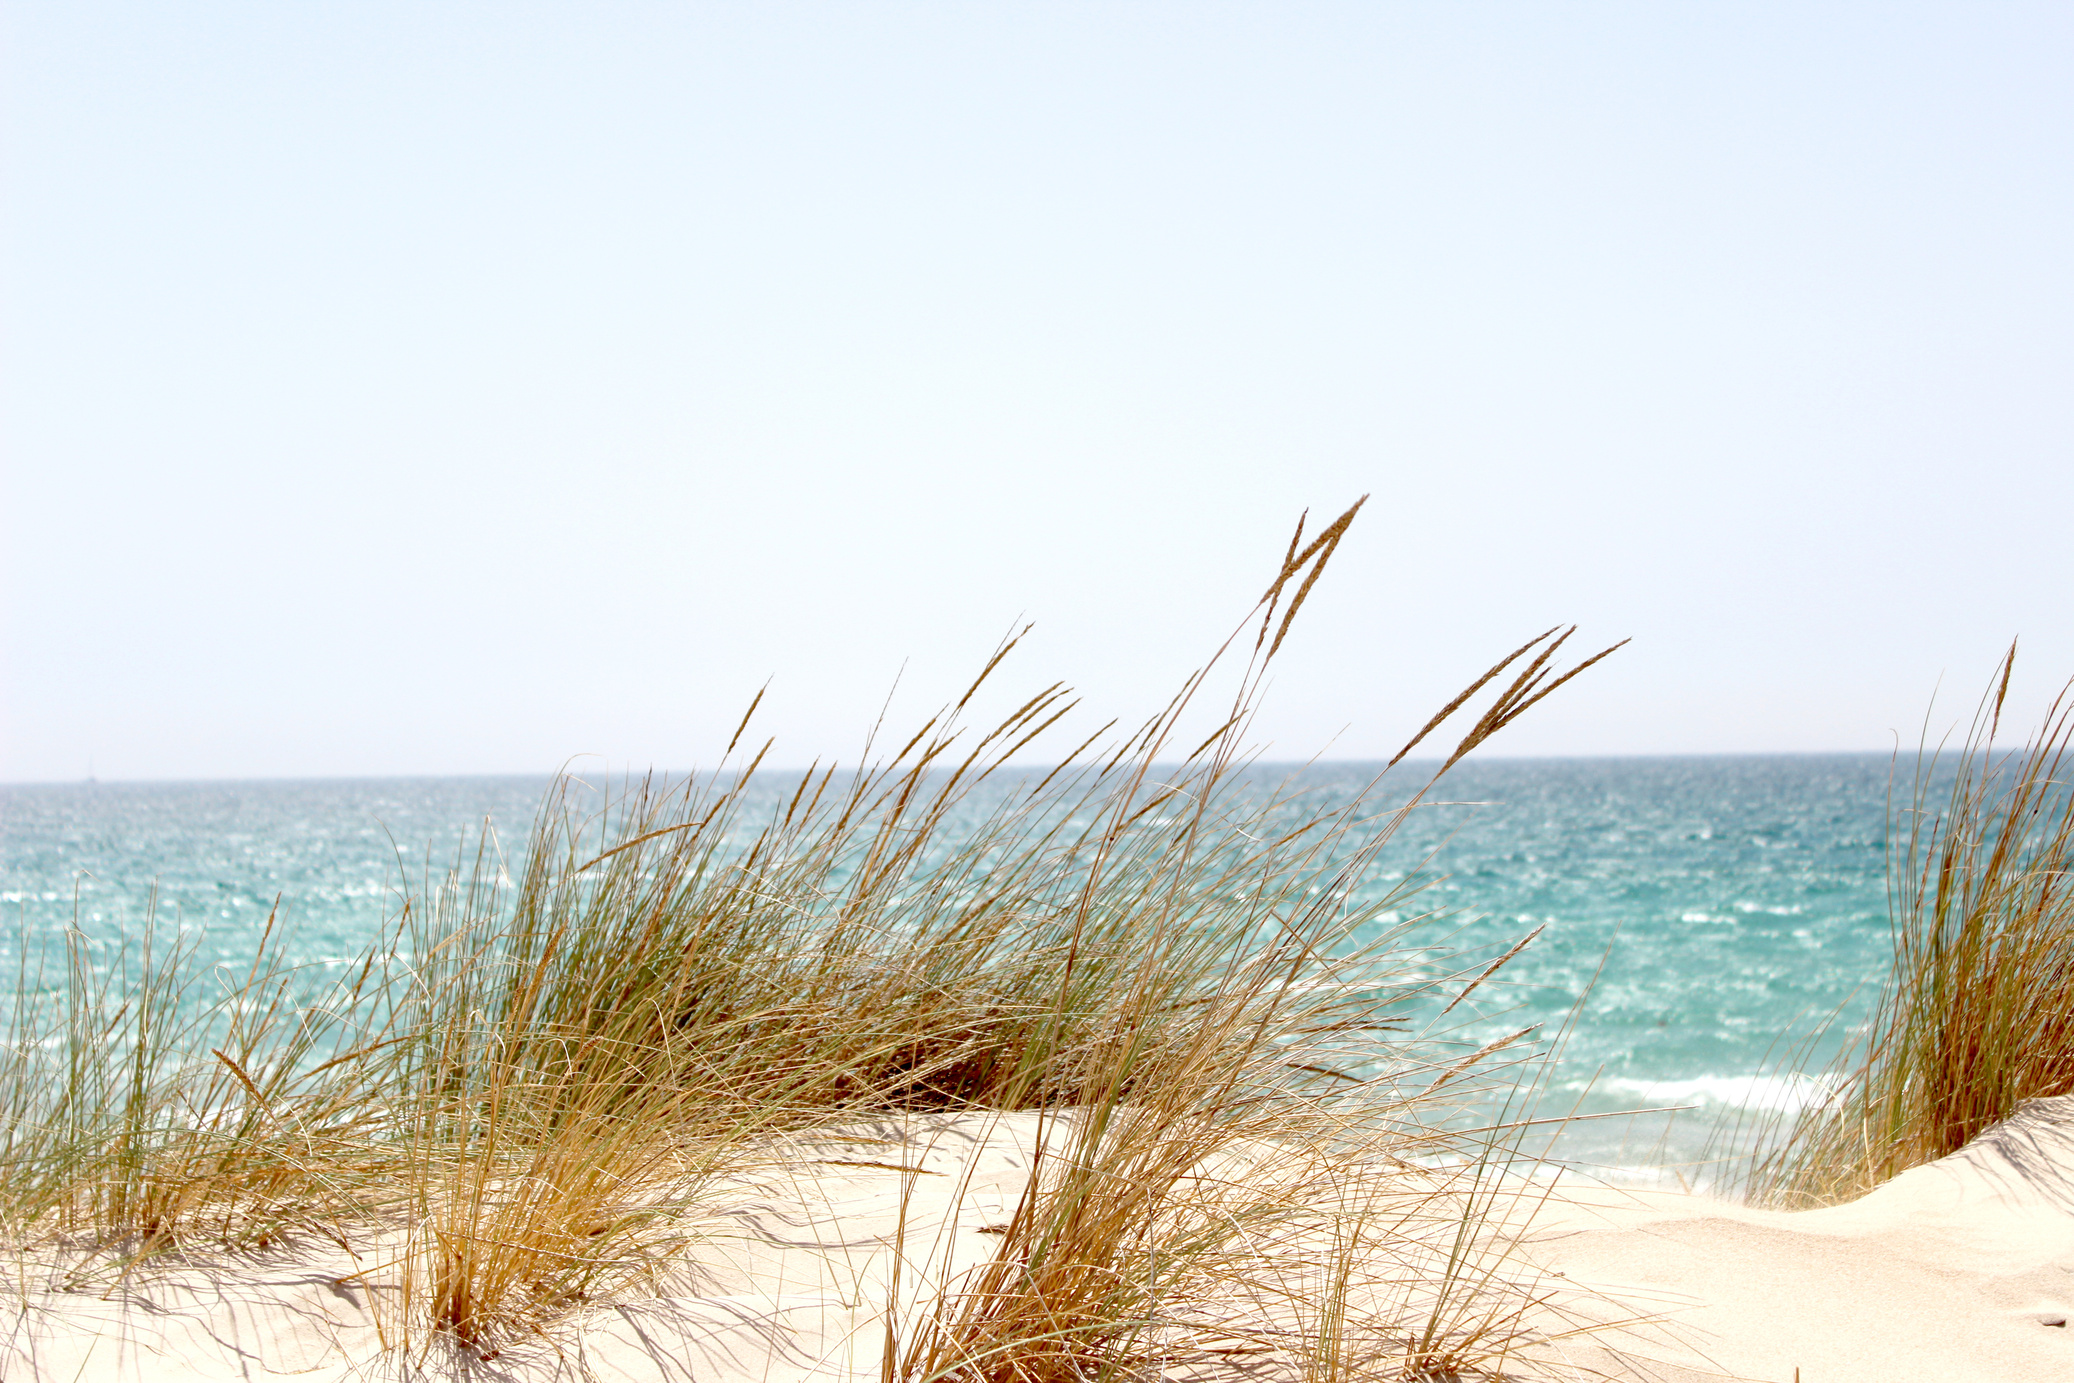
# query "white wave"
(1784, 1094)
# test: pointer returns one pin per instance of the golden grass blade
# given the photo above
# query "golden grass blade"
(1323, 546)
(1440, 717)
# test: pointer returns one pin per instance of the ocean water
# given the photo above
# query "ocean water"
(1700, 916)
(1712, 929)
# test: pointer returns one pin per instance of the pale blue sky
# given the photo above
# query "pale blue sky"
(441, 388)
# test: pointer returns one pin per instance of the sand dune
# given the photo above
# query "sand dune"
(1960, 1270)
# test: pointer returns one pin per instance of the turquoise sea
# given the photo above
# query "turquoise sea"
(1716, 908)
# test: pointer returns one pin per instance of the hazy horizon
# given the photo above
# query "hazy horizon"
(1411, 767)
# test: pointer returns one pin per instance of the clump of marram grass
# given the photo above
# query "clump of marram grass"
(1978, 1013)
(152, 1101)
(1270, 1125)
(532, 1078)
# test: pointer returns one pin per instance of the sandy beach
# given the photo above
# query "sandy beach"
(1959, 1270)
(1962, 1269)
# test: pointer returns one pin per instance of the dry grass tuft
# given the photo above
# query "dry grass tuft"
(1979, 1013)
(152, 1101)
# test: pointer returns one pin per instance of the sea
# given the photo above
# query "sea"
(1711, 929)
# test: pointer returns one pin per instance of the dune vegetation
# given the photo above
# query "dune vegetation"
(1978, 1013)
(1240, 1078)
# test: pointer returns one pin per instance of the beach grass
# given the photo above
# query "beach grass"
(1978, 1013)
(1246, 1090)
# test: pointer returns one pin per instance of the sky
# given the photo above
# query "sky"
(393, 388)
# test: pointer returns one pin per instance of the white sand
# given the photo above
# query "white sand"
(789, 1281)
(1943, 1275)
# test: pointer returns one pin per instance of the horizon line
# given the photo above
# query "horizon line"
(1292, 764)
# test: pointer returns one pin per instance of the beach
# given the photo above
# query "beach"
(1959, 1270)
(671, 709)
